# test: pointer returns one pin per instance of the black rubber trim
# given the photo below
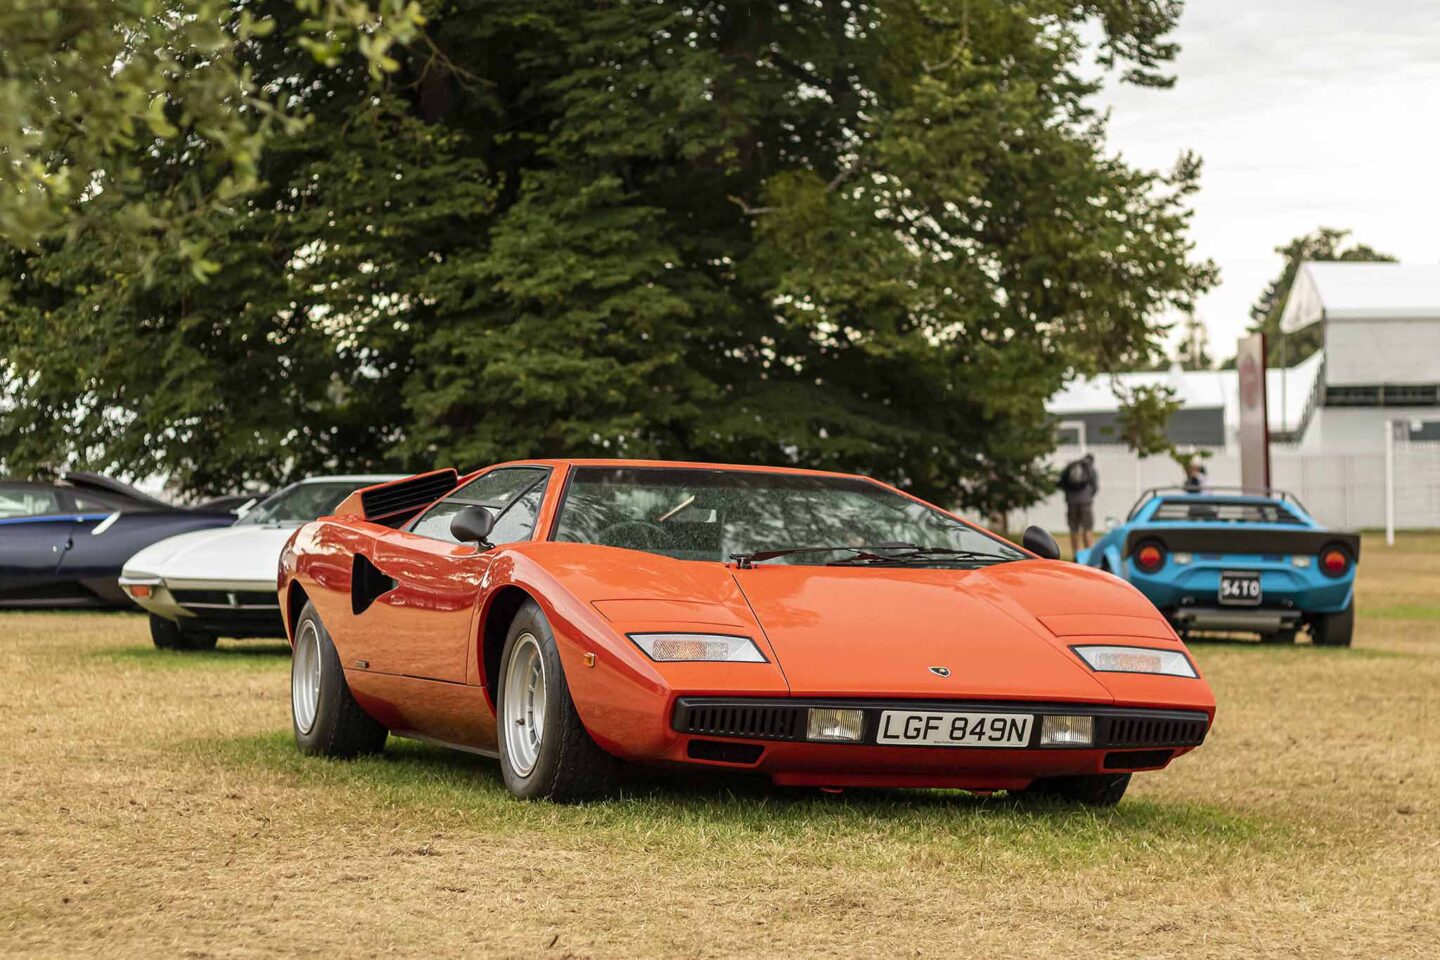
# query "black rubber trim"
(1240, 540)
(786, 719)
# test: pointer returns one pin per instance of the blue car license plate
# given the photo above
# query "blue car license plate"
(1240, 588)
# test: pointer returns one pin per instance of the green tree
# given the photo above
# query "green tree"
(871, 236)
(89, 88)
(1325, 243)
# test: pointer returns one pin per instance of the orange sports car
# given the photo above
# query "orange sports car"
(568, 616)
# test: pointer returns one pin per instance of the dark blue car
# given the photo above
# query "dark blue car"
(62, 544)
(1232, 560)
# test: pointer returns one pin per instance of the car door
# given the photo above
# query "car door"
(426, 621)
(36, 524)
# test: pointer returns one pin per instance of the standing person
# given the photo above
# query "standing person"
(1195, 475)
(1080, 481)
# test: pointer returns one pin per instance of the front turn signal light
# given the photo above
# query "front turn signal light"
(830, 723)
(1067, 731)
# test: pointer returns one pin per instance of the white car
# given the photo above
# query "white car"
(221, 582)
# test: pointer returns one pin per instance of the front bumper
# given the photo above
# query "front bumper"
(224, 608)
(769, 736)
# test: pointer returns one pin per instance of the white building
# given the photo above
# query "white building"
(1381, 363)
(1379, 372)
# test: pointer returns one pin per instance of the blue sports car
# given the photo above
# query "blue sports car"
(1231, 560)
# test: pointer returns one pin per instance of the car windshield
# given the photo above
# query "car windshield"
(302, 502)
(713, 514)
(1210, 510)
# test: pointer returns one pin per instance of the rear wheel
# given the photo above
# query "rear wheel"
(1333, 629)
(545, 752)
(1100, 790)
(324, 715)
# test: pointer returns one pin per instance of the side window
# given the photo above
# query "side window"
(513, 494)
(91, 505)
(20, 501)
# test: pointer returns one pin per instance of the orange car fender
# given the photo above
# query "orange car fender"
(621, 697)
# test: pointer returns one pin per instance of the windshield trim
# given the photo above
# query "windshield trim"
(572, 468)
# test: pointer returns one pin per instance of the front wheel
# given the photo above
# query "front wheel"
(171, 635)
(324, 715)
(1333, 629)
(545, 751)
(1100, 790)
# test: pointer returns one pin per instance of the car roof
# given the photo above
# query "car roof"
(673, 464)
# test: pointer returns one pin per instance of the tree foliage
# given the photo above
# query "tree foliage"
(1325, 243)
(864, 235)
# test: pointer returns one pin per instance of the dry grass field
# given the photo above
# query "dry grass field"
(154, 806)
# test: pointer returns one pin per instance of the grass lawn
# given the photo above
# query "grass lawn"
(153, 804)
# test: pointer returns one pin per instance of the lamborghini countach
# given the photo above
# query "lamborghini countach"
(819, 629)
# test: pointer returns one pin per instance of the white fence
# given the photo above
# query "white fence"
(1344, 491)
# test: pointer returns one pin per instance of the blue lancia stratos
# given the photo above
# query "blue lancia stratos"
(1233, 560)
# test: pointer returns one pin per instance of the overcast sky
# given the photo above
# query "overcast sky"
(1307, 113)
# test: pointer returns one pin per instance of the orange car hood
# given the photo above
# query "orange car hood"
(878, 632)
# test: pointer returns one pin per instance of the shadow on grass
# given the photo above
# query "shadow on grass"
(697, 812)
(240, 653)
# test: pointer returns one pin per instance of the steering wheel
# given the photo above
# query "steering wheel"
(637, 534)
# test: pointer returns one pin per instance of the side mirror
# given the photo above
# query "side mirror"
(1038, 540)
(473, 525)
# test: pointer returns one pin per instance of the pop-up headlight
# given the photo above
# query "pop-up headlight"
(1116, 659)
(680, 647)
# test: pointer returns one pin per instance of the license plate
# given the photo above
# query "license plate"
(945, 729)
(1240, 589)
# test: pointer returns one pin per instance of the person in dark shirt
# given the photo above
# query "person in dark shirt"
(1080, 481)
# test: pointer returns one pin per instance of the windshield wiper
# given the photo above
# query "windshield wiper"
(746, 560)
(925, 553)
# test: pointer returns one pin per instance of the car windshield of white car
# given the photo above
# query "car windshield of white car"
(300, 503)
(780, 518)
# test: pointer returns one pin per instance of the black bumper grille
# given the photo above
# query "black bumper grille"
(1140, 731)
(227, 598)
(758, 722)
(1116, 728)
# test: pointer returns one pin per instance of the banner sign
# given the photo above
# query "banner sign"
(1254, 415)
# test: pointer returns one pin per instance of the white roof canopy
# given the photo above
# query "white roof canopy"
(1343, 290)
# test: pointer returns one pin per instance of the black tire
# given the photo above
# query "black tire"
(195, 639)
(569, 766)
(1333, 629)
(340, 727)
(1098, 790)
(165, 634)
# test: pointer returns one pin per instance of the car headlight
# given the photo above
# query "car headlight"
(681, 647)
(1116, 659)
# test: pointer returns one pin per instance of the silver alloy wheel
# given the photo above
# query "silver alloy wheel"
(305, 677)
(523, 704)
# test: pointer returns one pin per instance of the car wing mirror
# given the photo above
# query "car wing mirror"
(1038, 541)
(473, 525)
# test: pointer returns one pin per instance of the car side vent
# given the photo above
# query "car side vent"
(727, 720)
(367, 583)
(1155, 732)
